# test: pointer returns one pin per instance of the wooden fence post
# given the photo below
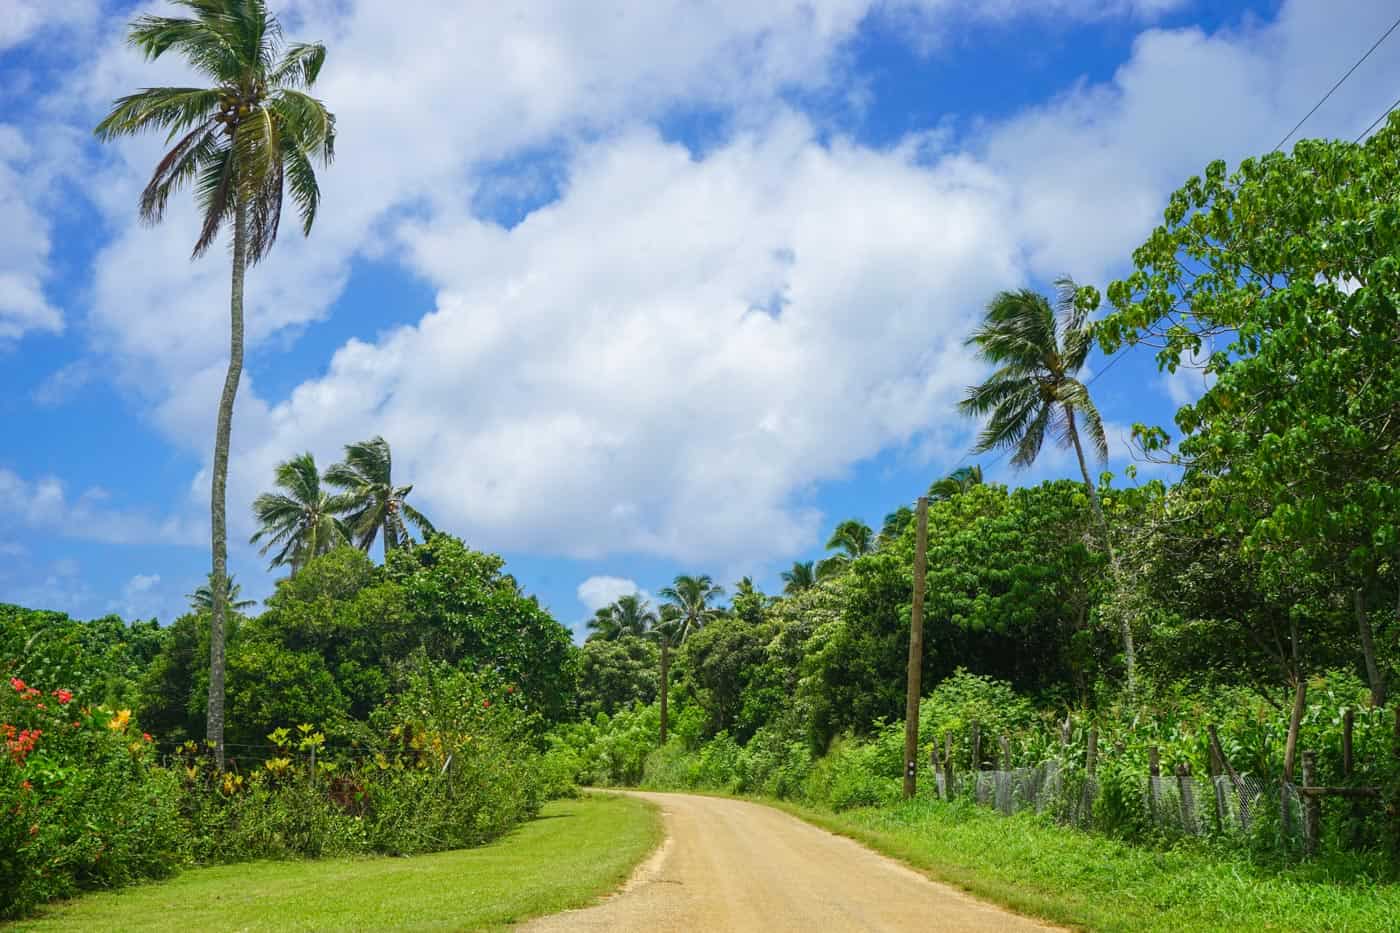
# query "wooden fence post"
(1216, 770)
(1091, 753)
(976, 746)
(1312, 805)
(1154, 771)
(948, 765)
(1348, 722)
(1005, 753)
(1187, 789)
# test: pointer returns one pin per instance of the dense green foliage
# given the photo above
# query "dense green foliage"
(391, 709)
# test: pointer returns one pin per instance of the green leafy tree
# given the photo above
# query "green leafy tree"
(688, 607)
(1038, 351)
(1283, 275)
(628, 615)
(749, 601)
(301, 522)
(852, 538)
(374, 506)
(241, 142)
(616, 674)
(800, 577)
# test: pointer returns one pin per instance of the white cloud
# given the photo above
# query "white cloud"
(24, 238)
(671, 357)
(597, 592)
(45, 504)
(25, 19)
(141, 583)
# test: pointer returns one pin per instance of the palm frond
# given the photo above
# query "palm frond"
(299, 67)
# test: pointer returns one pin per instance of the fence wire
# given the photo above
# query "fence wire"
(1186, 805)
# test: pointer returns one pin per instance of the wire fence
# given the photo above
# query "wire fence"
(1177, 804)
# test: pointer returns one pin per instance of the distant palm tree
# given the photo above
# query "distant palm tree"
(800, 577)
(1038, 351)
(202, 599)
(852, 538)
(688, 607)
(375, 505)
(955, 483)
(302, 520)
(239, 143)
(895, 523)
(629, 615)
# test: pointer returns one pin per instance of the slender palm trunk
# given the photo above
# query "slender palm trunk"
(665, 684)
(217, 512)
(1124, 624)
(1368, 651)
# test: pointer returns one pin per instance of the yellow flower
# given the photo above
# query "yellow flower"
(120, 720)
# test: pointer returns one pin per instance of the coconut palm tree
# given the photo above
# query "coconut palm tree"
(240, 142)
(1038, 351)
(689, 606)
(202, 599)
(375, 505)
(852, 538)
(895, 523)
(302, 520)
(629, 615)
(800, 577)
(955, 483)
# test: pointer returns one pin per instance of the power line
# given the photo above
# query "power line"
(1385, 35)
(1368, 129)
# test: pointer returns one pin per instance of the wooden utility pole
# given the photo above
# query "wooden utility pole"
(916, 654)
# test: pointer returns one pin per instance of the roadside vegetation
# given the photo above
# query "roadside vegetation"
(578, 849)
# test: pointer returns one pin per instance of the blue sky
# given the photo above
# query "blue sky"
(666, 287)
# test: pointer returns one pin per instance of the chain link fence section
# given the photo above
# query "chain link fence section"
(1178, 804)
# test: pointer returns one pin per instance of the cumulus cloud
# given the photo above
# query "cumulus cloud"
(44, 504)
(673, 354)
(24, 239)
(597, 592)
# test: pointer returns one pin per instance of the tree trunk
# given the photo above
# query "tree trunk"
(1125, 626)
(665, 684)
(218, 530)
(1368, 651)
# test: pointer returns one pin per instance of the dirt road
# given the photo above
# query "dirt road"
(728, 865)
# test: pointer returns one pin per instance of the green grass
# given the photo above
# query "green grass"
(576, 851)
(1090, 882)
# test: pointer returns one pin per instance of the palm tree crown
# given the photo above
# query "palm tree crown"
(1039, 351)
(692, 597)
(202, 599)
(800, 577)
(245, 138)
(852, 538)
(302, 520)
(372, 500)
(958, 481)
(629, 615)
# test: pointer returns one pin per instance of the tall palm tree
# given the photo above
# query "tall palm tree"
(375, 505)
(302, 520)
(852, 538)
(202, 599)
(1038, 351)
(628, 615)
(801, 577)
(240, 142)
(956, 482)
(689, 606)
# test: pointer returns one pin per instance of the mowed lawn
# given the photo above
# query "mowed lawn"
(576, 851)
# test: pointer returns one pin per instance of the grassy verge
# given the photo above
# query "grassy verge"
(576, 851)
(1090, 882)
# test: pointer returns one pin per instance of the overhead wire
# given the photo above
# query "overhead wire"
(1340, 81)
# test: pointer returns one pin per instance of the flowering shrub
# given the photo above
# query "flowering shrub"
(450, 761)
(82, 803)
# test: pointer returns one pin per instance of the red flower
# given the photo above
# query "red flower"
(34, 830)
(26, 785)
(17, 684)
(147, 736)
(485, 704)
(64, 696)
